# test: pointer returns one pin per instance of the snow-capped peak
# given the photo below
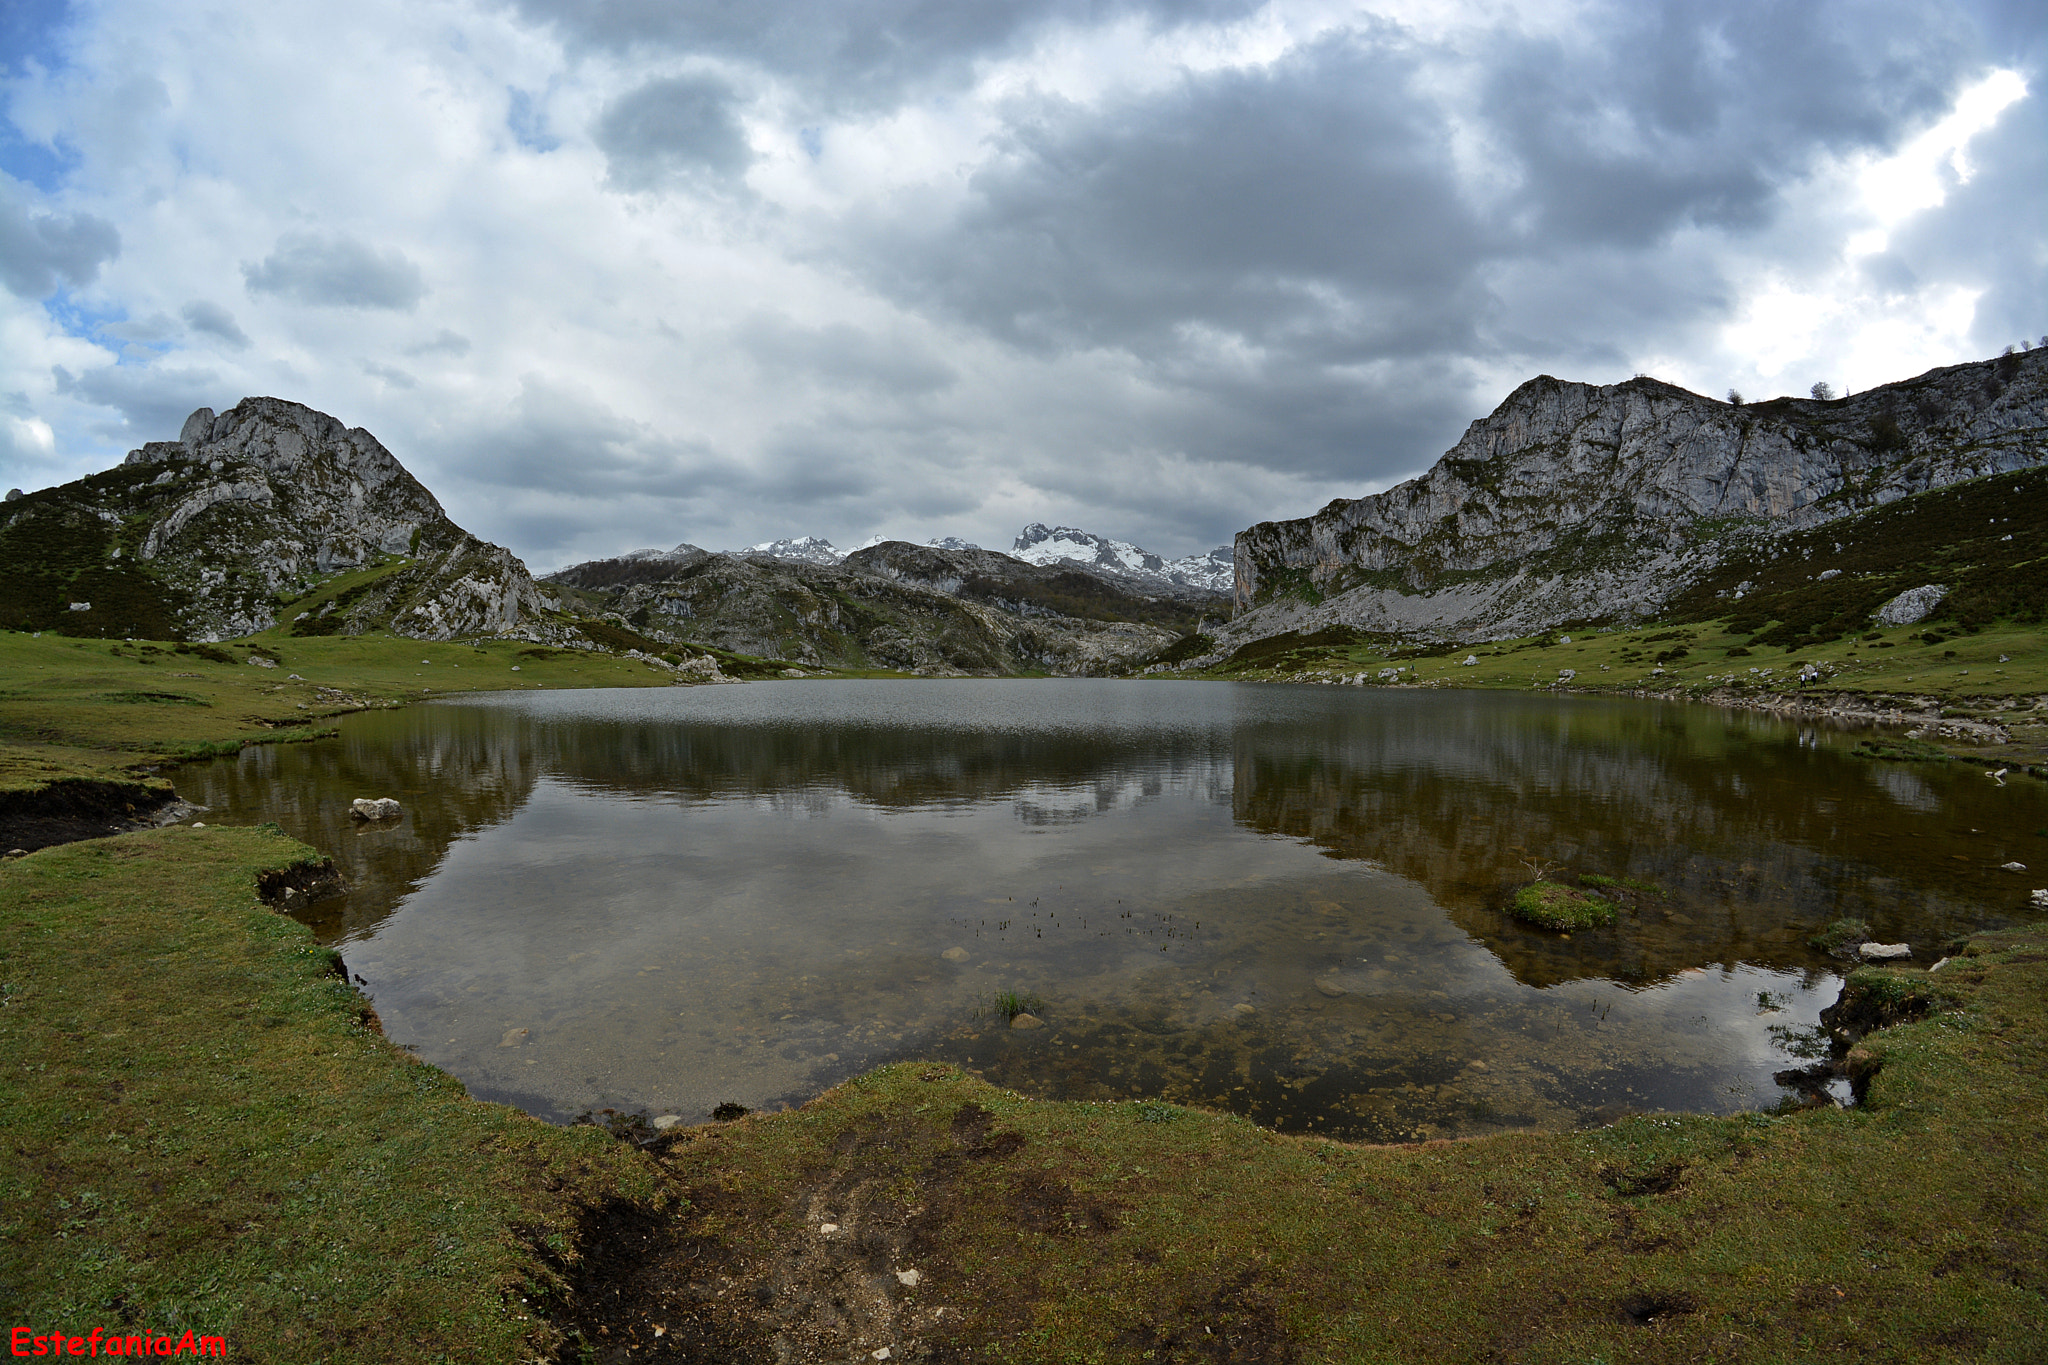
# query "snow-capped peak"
(951, 543)
(1042, 544)
(809, 549)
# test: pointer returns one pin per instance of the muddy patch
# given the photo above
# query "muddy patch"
(65, 812)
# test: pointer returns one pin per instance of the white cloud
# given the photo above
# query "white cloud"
(604, 288)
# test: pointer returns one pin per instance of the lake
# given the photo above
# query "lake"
(1283, 901)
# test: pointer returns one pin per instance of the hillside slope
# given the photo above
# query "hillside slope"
(895, 606)
(1573, 504)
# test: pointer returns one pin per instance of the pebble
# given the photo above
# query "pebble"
(883, 1354)
(2012, 867)
(1027, 1021)
(1242, 1010)
(1329, 987)
(908, 1278)
(827, 1229)
(513, 1037)
(954, 955)
(665, 1121)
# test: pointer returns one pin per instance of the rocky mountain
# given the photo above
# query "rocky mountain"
(209, 536)
(1046, 545)
(895, 605)
(1574, 503)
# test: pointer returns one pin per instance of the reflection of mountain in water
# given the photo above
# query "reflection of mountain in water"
(454, 769)
(1755, 841)
(457, 768)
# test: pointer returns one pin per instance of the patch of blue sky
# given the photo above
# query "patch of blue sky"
(86, 320)
(30, 32)
(813, 141)
(31, 162)
(31, 39)
(529, 124)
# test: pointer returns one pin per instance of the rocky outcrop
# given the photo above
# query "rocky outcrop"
(1579, 503)
(898, 606)
(209, 536)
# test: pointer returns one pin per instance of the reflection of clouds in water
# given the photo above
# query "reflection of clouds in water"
(744, 894)
(1069, 803)
(1907, 789)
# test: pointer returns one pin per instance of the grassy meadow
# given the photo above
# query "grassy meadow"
(204, 1128)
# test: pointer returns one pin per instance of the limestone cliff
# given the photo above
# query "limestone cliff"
(1576, 503)
(208, 537)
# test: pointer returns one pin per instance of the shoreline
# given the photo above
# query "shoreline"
(1184, 1221)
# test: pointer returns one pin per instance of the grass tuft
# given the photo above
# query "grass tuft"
(1549, 905)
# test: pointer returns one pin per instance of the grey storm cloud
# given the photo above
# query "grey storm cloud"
(39, 249)
(2004, 205)
(672, 128)
(336, 271)
(1696, 113)
(849, 54)
(154, 400)
(1299, 250)
(214, 321)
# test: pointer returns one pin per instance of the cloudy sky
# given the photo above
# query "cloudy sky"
(614, 273)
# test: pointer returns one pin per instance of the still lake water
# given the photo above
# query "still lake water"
(1287, 902)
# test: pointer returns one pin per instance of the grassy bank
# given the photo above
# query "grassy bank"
(202, 1129)
(1908, 1229)
(108, 709)
(1997, 669)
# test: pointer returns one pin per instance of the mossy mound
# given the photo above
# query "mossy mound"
(1841, 938)
(1548, 905)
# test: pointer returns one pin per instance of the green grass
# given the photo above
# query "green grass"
(113, 708)
(202, 1129)
(1906, 1230)
(1549, 905)
(1008, 1004)
(2002, 664)
(1841, 936)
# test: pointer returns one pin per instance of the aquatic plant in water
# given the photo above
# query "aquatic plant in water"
(1549, 905)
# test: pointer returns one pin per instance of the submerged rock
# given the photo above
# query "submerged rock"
(1026, 1021)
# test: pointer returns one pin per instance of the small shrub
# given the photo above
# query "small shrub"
(1548, 905)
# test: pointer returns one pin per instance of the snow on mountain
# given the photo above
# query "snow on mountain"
(809, 549)
(1046, 545)
(1215, 570)
(947, 543)
(683, 551)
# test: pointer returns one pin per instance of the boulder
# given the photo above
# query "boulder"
(1911, 605)
(1884, 952)
(375, 808)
